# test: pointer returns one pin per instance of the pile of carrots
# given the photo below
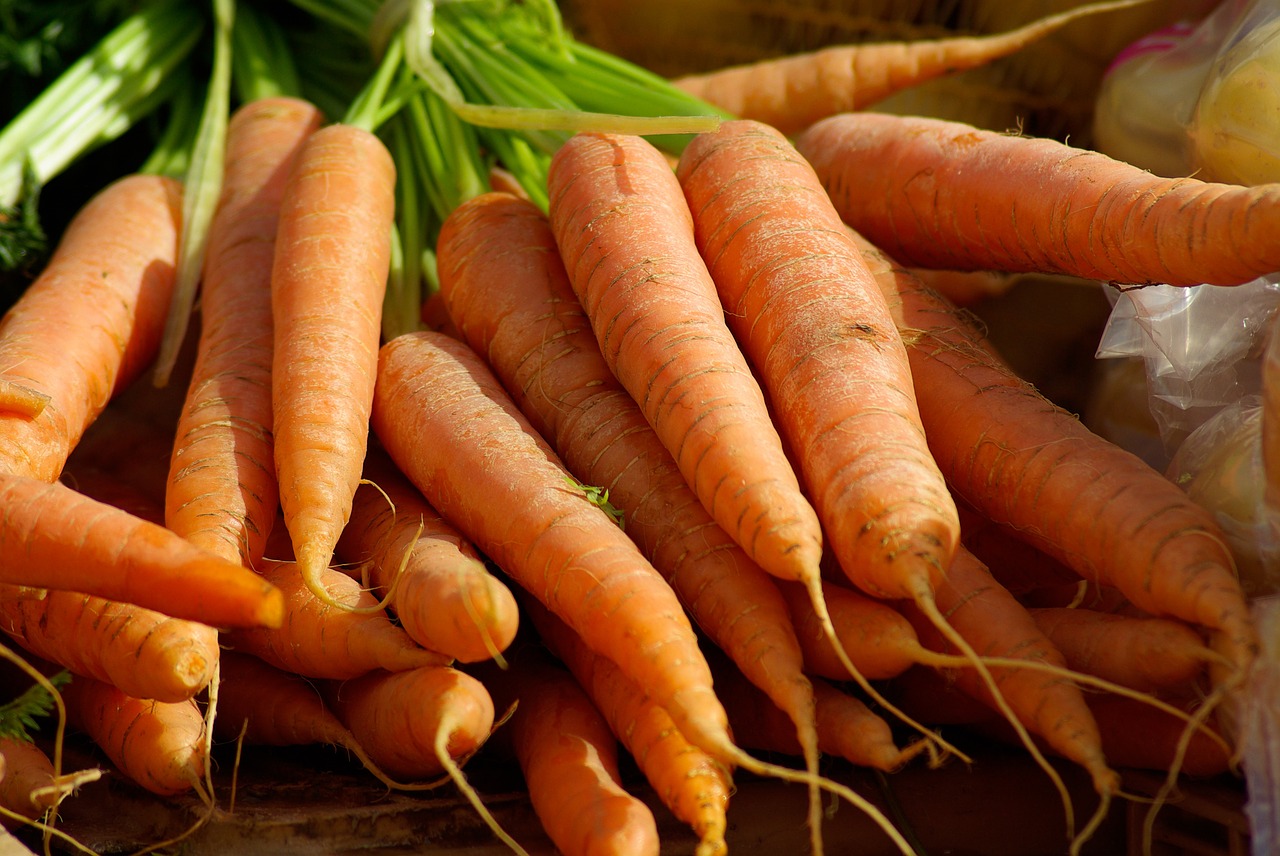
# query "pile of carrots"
(688, 460)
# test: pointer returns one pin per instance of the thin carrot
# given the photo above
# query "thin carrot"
(688, 781)
(337, 636)
(53, 537)
(157, 745)
(91, 321)
(569, 758)
(793, 91)
(438, 585)
(934, 193)
(328, 278)
(518, 309)
(1148, 654)
(1025, 463)
(221, 492)
(626, 237)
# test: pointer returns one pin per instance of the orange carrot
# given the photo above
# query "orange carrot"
(518, 309)
(1025, 463)
(55, 538)
(319, 639)
(440, 590)
(144, 653)
(569, 758)
(157, 745)
(626, 237)
(934, 193)
(328, 278)
(811, 319)
(1019, 566)
(791, 92)
(534, 523)
(221, 491)
(28, 786)
(688, 781)
(1148, 654)
(417, 723)
(91, 321)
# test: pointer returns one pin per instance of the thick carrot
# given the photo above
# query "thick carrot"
(688, 781)
(221, 492)
(339, 636)
(517, 308)
(626, 237)
(811, 319)
(414, 724)
(439, 587)
(144, 653)
(934, 193)
(272, 707)
(1148, 654)
(794, 91)
(1025, 463)
(91, 321)
(569, 759)
(54, 537)
(29, 784)
(328, 278)
(159, 746)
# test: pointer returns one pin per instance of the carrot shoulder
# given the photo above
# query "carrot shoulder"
(489, 473)
(328, 279)
(935, 193)
(91, 321)
(626, 237)
(221, 492)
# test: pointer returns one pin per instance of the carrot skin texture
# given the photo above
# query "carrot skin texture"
(320, 640)
(91, 321)
(144, 653)
(328, 279)
(517, 308)
(445, 597)
(26, 768)
(159, 746)
(1022, 462)
(626, 237)
(273, 706)
(398, 716)
(222, 492)
(569, 758)
(53, 537)
(902, 182)
(792, 92)
(489, 473)
(807, 311)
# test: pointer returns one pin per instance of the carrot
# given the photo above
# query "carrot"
(518, 309)
(337, 636)
(541, 528)
(1024, 463)
(221, 493)
(328, 278)
(55, 538)
(1020, 567)
(144, 653)
(626, 238)
(794, 91)
(688, 781)
(569, 759)
(438, 585)
(91, 321)
(1148, 654)
(28, 786)
(934, 193)
(159, 746)
(267, 706)
(412, 723)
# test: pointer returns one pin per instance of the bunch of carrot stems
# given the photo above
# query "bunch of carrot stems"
(439, 388)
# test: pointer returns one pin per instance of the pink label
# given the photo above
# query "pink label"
(1163, 39)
